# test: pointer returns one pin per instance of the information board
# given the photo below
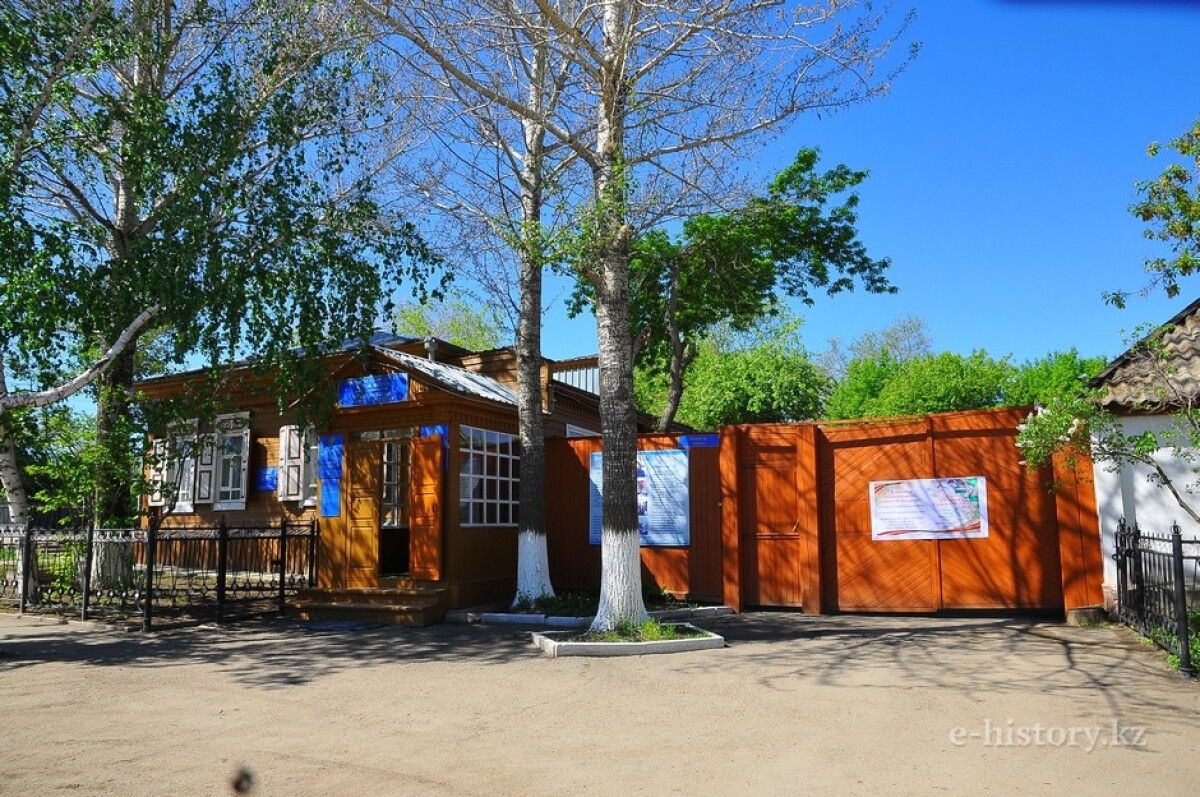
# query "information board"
(662, 498)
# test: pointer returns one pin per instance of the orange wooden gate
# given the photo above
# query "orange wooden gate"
(1015, 566)
(802, 518)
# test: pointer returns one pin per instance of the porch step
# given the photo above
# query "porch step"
(413, 606)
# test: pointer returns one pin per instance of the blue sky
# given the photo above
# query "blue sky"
(1002, 166)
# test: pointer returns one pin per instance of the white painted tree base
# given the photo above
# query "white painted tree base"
(553, 644)
(533, 567)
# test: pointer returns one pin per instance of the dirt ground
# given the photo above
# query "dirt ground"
(794, 705)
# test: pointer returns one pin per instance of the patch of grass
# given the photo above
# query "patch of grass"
(650, 630)
(1169, 641)
(586, 604)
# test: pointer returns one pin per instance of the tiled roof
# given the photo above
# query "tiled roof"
(451, 377)
(1150, 378)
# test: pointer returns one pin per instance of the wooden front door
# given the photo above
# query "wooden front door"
(361, 555)
(770, 524)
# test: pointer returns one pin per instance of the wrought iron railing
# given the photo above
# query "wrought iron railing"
(1158, 589)
(145, 574)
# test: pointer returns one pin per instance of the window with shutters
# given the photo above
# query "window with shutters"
(231, 444)
(298, 465)
(173, 469)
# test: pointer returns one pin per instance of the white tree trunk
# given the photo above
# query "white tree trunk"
(620, 548)
(18, 502)
(533, 561)
(533, 566)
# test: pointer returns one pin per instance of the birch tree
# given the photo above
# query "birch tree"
(501, 186)
(662, 98)
(210, 163)
(41, 52)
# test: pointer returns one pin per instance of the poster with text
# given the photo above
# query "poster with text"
(662, 498)
(929, 509)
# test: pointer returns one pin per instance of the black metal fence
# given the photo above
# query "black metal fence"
(1158, 589)
(149, 574)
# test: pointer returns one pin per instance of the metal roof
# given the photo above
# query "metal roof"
(450, 377)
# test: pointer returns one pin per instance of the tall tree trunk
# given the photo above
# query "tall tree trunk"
(14, 492)
(114, 477)
(620, 548)
(533, 560)
(679, 359)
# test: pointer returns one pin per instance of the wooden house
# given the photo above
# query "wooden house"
(413, 484)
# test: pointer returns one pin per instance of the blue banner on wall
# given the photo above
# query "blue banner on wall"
(329, 468)
(699, 441)
(366, 391)
(662, 498)
(331, 497)
(329, 456)
(266, 480)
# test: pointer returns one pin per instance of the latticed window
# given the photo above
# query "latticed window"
(489, 477)
(232, 443)
(393, 507)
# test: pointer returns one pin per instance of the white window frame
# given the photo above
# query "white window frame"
(231, 466)
(489, 477)
(297, 478)
(174, 462)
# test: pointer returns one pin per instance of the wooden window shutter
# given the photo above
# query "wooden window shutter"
(158, 472)
(205, 469)
(291, 464)
(425, 510)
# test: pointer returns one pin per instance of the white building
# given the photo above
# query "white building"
(1146, 387)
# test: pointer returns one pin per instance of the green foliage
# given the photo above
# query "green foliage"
(456, 319)
(1058, 374)
(944, 382)
(903, 339)
(855, 395)
(728, 269)
(764, 377)
(220, 168)
(63, 461)
(1170, 208)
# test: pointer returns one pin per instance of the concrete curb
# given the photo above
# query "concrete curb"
(555, 648)
(486, 615)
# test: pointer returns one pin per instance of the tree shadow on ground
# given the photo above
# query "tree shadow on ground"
(267, 653)
(982, 656)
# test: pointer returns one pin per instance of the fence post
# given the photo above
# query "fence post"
(1139, 578)
(222, 567)
(282, 563)
(312, 553)
(151, 557)
(1181, 612)
(87, 569)
(23, 572)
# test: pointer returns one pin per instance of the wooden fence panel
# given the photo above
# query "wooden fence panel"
(780, 516)
(897, 575)
(693, 571)
(1017, 564)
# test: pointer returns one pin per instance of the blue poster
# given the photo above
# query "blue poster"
(329, 469)
(366, 391)
(331, 497)
(662, 498)
(266, 480)
(329, 456)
